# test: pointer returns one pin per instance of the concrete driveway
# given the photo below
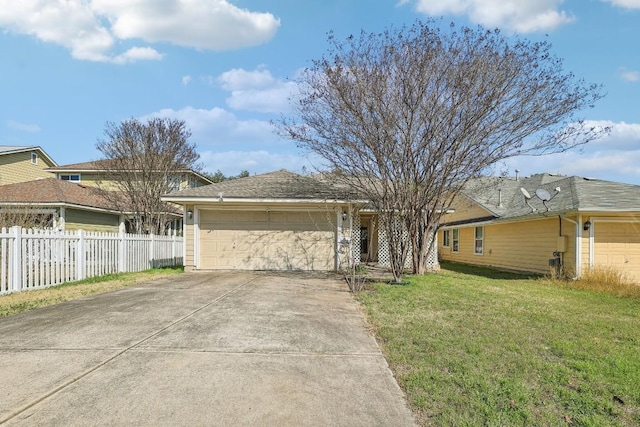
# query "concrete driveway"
(200, 349)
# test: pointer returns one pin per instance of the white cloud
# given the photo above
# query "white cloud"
(630, 76)
(239, 79)
(203, 24)
(91, 28)
(186, 80)
(519, 15)
(23, 127)
(623, 136)
(628, 4)
(256, 162)
(219, 127)
(256, 91)
(138, 53)
(614, 157)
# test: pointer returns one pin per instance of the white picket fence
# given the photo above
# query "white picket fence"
(35, 259)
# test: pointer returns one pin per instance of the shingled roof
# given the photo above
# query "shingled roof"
(51, 191)
(281, 184)
(503, 197)
(107, 164)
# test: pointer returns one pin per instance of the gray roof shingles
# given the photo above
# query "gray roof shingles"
(280, 184)
(52, 191)
(576, 194)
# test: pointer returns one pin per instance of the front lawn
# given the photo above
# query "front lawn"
(476, 347)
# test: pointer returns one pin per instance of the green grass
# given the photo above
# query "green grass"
(472, 346)
(29, 300)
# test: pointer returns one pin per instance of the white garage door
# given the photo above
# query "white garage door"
(617, 244)
(266, 240)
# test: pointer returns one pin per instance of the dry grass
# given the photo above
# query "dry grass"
(603, 279)
(29, 300)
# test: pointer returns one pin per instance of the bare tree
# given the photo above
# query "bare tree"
(408, 116)
(26, 216)
(143, 161)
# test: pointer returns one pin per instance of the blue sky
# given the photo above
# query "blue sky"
(226, 68)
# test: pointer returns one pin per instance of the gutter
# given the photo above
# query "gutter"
(221, 199)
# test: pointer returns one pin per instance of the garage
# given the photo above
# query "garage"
(617, 245)
(275, 221)
(267, 240)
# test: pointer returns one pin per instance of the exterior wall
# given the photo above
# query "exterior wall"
(464, 209)
(17, 167)
(76, 219)
(189, 238)
(613, 241)
(98, 179)
(91, 179)
(520, 246)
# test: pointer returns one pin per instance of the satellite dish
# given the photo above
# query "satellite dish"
(543, 194)
(525, 193)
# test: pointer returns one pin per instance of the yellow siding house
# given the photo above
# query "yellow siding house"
(24, 163)
(95, 174)
(544, 223)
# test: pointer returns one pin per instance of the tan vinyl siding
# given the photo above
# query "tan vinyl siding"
(189, 261)
(521, 246)
(76, 219)
(17, 167)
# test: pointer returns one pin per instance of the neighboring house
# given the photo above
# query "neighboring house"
(95, 174)
(545, 221)
(66, 205)
(23, 163)
(279, 221)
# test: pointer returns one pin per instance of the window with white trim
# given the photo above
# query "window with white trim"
(479, 241)
(34, 158)
(70, 177)
(455, 240)
(446, 238)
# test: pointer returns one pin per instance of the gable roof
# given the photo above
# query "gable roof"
(103, 165)
(52, 191)
(504, 198)
(11, 149)
(278, 185)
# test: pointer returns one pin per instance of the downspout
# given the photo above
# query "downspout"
(578, 244)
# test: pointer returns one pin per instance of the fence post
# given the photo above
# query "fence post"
(151, 251)
(121, 252)
(16, 273)
(173, 250)
(80, 256)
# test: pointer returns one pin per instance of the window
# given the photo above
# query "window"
(70, 178)
(34, 158)
(455, 244)
(479, 241)
(446, 238)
